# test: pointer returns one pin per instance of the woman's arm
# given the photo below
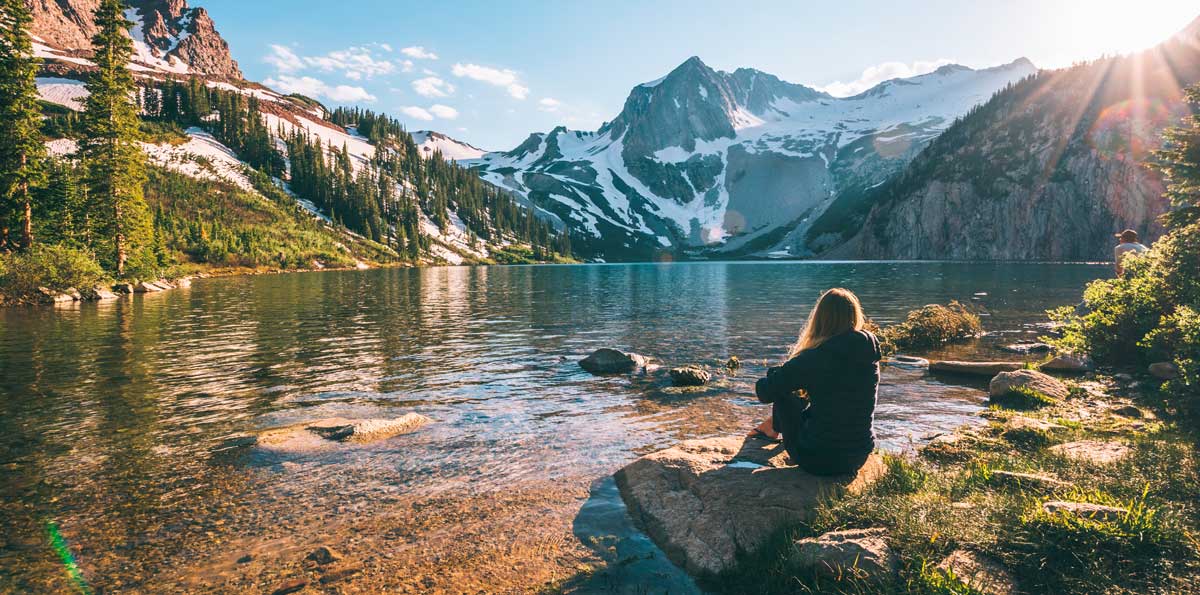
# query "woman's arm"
(788, 378)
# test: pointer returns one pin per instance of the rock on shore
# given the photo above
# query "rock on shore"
(705, 500)
(1006, 382)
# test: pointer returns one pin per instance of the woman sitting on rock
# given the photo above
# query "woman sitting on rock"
(836, 363)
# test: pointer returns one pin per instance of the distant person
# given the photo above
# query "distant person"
(1129, 244)
(836, 363)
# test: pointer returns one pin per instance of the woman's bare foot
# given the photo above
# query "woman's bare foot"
(766, 430)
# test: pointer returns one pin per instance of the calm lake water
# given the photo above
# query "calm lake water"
(118, 416)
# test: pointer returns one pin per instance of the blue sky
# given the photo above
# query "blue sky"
(492, 72)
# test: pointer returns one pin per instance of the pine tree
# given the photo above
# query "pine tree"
(1179, 161)
(22, 152)
(116, 165)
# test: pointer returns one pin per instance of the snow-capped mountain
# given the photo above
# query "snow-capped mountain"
(431, 142)
(704, 161)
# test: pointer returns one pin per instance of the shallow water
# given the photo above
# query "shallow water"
(117, 416)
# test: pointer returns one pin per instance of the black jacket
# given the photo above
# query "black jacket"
(841, 378)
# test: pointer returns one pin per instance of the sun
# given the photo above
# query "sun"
(1123, 26)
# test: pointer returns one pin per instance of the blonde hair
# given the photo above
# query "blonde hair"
(837, 311)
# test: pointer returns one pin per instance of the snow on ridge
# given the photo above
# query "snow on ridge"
(68, 93)
(143, 53)
(201, 157)
(451, 149)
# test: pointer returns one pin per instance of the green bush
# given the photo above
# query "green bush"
(931, 326)
(54, 267)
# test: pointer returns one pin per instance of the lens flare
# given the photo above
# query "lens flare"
(68, 559)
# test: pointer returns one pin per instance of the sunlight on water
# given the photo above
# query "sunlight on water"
(119, 417)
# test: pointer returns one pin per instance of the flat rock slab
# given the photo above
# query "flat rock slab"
(703, 501)
(1092, 451)
(1086, 510)
(863, 553)
(327, 432)
(987, 369)
(981, 573)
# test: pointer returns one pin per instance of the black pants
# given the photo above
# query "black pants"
(788, 415)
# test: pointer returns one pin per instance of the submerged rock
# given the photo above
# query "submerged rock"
(322, 433)
(1006, 382)
(705, 500)
(863, 553)
(690, 376)
(1025, 348)
(980, 573)
(987, 369)
(908, 361)
(612, 361)
(1070, 363)
(323, 555)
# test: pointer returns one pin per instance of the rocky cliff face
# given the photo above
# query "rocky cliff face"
(169, 36)
(1048, 169)
(708, 163)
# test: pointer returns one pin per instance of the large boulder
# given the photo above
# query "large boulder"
(987, 369)
(146, 287)
(690, 376)
(705, 500)
(612, 361)
(1070, 363)
(1006, 382)
(863, 553)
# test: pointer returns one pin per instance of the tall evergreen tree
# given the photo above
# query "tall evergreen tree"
(116, 165)
(22, 152)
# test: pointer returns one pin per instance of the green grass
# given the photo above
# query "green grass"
(1153, 549)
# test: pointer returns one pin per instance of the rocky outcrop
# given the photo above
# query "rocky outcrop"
(1035, 174)
(170, 28)
(690, 376)
(1007, 382)
(987, 369)
(1164, 370)
(861, 553)
(703, 501)
(612, 361)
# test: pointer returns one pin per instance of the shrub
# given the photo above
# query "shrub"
(54, 267)
(931, 326)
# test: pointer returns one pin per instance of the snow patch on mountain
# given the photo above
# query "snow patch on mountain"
(452, 150)
(68, 93)
(201, 157)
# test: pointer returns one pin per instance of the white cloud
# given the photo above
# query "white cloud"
(416, 113)
(419, 53)
(284, 59)
(432, 86)
(307, 85)
(549, 104)
(500, 77)
(444, 112)
(355, 62)
(385, 47)
(883, 72)
(406, 66)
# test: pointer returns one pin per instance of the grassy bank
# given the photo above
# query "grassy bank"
(954, 495)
